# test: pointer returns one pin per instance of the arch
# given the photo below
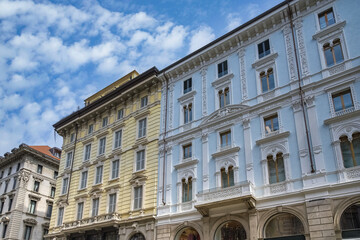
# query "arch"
(226, 163)
(229, 218)
(185, 174)
(275, 149)
(185, 225)
(274, 227)
(346, 130)
(136, 233)
(341, 207)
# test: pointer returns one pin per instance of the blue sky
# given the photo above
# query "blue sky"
(54, 54)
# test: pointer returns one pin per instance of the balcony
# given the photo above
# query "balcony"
(344, 111)
(92, 221)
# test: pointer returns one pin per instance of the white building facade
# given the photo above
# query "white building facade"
(260, 135)
(27, 191)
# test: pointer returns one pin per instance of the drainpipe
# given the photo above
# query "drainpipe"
(164, 140)
(301, 93)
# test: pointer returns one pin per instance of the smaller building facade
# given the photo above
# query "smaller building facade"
(27, 191)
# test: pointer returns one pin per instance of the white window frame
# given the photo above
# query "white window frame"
(99, 146)
(118, 114)
(90, 127)
(85, 153)
(144, 101)
(138, 127)
(67, 159)
(96, 174)
(135, 162)
(257, 49)
(324, 9)
(105, 121)
(187, 103)
(97, 208)
(77, 210)
(72, 137)
(114, 137)
(142, 197)
(339, 89)
(65, 186)
(82, 179)
(219, 138)
(60, 217)
(26, 227)
(183, 86)
(109, 202)
(269, 114)
(30, 206)
(112, 169)
(182, 150)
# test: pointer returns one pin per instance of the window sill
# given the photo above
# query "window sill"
(225, 150)
(272, 136)
(186, 162)
(187, 96)
(324, 32)
(113, 180)
(260, 62)
(31, 214)
(340, 117)
(222, 80)
(81, 189)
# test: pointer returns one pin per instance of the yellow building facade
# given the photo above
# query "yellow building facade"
(107, 181)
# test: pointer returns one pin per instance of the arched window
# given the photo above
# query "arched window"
(224, 97)
(333, 53)
(137, 236)
(284, 225)
(187, 113)
(231, 230)
(227, 177)
(267, 80)
(276, 168)
(188, 233)
(350, 222)
(187, 190)
(350, 150)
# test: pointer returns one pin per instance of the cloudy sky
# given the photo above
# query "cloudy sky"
(54, 54)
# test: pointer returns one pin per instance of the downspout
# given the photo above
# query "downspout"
(164, 141)
(301, 93)
(72, 162)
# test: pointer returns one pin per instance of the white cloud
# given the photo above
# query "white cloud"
(233, 21)
(12, 102)
(253, 9)
(201, 37)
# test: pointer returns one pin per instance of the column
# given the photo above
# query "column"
(205, 160)
(248, 151)
(203, 72)
(241, 55)
(168, 174)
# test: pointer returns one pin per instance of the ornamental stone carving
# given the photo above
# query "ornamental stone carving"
(278, 188)
(241, 54)
(354, 173)
(289, 52)
(302, 48)
(24, 176)
(203, 72)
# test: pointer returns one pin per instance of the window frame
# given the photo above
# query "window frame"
(95, 207)
(102, 148)
(144, 101)
(143, 160)
(224, 71)
(330, 46)
(60, 216)
(228, 177)
(355, 135)
(115, 145)
(186, 86)
(105, 121)
(36, 186)
(143, 129)
(39, 169)
(49, 206)
(138, 201)
(222, 94)
(228, 132)
(78, 213)
(32, 206)
(87, 153)
(187, 110)
(184, 148)
(271, 158)
(321, 11)
(69, 160)
(83, 182)
(52, 190)
(99, 178)
(65, 186)
(113, 170)
(112, 205)
(90, 128)
(27, 235)
(186, 187)
(120, 114)
(271, 117)
(266, 52)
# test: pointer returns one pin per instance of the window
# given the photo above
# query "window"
(6, 185)
(112, 202)
(49, 210)
(105, 121)
(9, 172)
(10, 204)
(117, 141)
(95, 207)
(326, 18)
(140, 160)
(225, 139)
(56, 173)
(80, 209)
(187, 113)
(36, 186)
(227, 177)
(187, 151)
(64, 186)
(72, 137)
(138, 197)
(267, 80)
(18, 167)
(102, 143)
(276, 169)
(264, 48)
(222, 69)
(87, 152)
(187, 85)
(27, 233)
(271, 124)
(333, 53)
(83, 182)
(99, 171)
(187, 190)
(2, 205)
(144, 101)
(224, 97)
(350, 222)
(14, 183)
(52, 192)
(115, 169)
(2, 174)
(32, 206)
(350, 150)
(142, 128)
(120, 114)
(342, 100)
(4, 230)
(39, 169)
(60, 216)
(68, 159)
(90, 128)
(46, 231)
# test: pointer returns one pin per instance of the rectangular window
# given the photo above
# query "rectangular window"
(102, 143)
(10, 204)
(49, 210)
(271, 124)
(227, 178)
(222, 69)
(84, 176)
(115, 169)
(6, 186)
(187, 113)
(333, 53)
(87, 152)
(18, 167)
(187, 190)
(36, 186)
(138, 197)
(4, 230)
(326, 18)
(264, 48)
(99, 171)
(72, 137)
(9, 172)
(117, 140)
(2, 174)
(95, 207)
(224, 97)
(14, 183)
(64, 186)
(142, 128)
(187, 150)
(112, 202)
(68, 159)
(27, 233)
(2, 206)
(39, 169)
(267, 80)
(52, 192)
(56, 173)
(90, 128)
(144, 101)
(80, 209)
(140, 160)
(342, 100)
(120, 114)
(225, 139)
(105, 121)
(46, 232)
(32, 206)
(60, 216)
(187, 85)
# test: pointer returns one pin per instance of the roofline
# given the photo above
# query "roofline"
(150, 72)
(280, 5)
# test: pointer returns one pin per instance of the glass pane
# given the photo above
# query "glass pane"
(190, 190)
(329, 57)
(231, 177)
(337, 103)
(264, 84)
(284, 225)
(221, 100)
(281, 169)
(261, 50)
(268, 127)
(188, 234)
(347, 100)
(224, 179)
(275, 124)
(322, 21)
(338, 53)
(330, 17)
(271, 81)
(346, 153)
(350, 219)
(231, 230)
(356, 145)
(272, 171)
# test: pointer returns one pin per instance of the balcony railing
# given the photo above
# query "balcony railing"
(344, 111)
(89, 221)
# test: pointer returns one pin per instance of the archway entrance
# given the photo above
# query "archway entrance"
(188, 233)
(231, 230)
(137, 236)
(284, 226)
(350, 222)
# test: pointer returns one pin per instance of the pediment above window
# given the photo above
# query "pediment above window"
(224, 112)
(328, 30)
(138, 178)
(187, 96)
(186, 163)
(264, 60)
(224, 80)
(30, 221)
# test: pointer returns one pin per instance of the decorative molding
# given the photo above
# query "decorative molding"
(222, 80)
(289, 52)
(102, 134)
(328, 30)
(203, 72)
(225, 151)
(264, 60)
(278, 188)
(30, 221)
(241, 55)
(342, 117)
(186, 163)
(187, 96)
(89, 140)
(273, 137)
(142, 113)
(223, 112)
(302, 47)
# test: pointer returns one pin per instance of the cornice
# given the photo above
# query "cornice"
(186, 163)
(273, 138)
(328, 30)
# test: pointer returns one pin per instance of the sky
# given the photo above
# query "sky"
(54, 54)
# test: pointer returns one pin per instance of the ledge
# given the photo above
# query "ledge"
(89, 140)
(186, 96)
(101, 134)
(329, 29)
(225, 151)
(258, 63)
(355, 113)
(186, 163)
(272, 137)
(142, 113)
(222, 80)
(118, 125)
